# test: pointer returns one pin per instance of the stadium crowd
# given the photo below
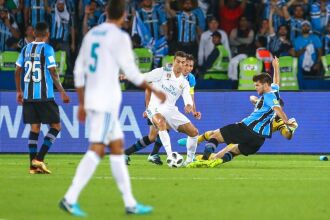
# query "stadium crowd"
(206, 29)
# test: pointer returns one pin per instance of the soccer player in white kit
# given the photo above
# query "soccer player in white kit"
(105, 50)
(166, 115)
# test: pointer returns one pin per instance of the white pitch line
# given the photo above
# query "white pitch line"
(182, 178)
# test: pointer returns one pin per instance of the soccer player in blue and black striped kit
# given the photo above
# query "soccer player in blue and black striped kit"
(247, 136)
(37, 63)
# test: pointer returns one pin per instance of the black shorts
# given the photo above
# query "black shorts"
(41, 112)
(248, 142)
(149, 122)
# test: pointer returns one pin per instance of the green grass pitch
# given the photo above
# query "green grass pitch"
(254, 187)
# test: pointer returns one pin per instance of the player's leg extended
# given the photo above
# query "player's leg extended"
(121, 175)
(154, 156)
(161, 124)
(49, 139)
(192, 132)
(84, 173)
(33, 146)
(201, 138)
(142, 143)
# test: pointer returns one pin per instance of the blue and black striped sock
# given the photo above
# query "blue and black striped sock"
(210, 148)
(227, 157)
(139, 145)
(33, 146)
(48, 141)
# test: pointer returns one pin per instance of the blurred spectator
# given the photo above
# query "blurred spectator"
(8, 28)
(241, 38)
(12, 44)
(199, 14)
(229, 14)
(263, 54)
(216, 41)
(326, 41)
(62, 33)
(151, 25)
(303, 3)
(91, 16)
(206, 44)
(16, 9)
(188, 30)
(276, 7)
(28, 38)
(320, 15)
(294, 22)
(279, 43)
(263, 30)
(153, 19)
(35, 11)
(308, 48)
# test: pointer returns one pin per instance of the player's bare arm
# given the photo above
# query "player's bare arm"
(56, 79)
(276, 66)
(19, 93)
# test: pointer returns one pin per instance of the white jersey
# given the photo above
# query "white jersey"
(105, 50)
(165, 80)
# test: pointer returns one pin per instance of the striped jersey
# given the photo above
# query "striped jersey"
(60, 30)
(4, 35)
(36, 58)
(295, 28)
(153, 20)
(319, 20)
(38, 13)
(261, 118)
(187, 27)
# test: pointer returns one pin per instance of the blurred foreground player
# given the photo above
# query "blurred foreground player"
(105, 50)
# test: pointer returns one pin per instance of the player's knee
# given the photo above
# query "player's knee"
(194, 132)
(57, 126)
(161, 124)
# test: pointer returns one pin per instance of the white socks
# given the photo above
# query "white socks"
(165, 138)
(84, 173)
(120, 173)
(191, 148)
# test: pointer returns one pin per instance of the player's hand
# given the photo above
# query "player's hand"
(65, 98)
(145, 114)
(81, 113)
(160, 95)
(276, 63)
(197, 115)
(188, 109)
(19, 97)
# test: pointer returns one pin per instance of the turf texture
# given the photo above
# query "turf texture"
(254, 187)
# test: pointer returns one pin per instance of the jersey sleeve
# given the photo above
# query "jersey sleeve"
(192, 83)
(187, 99)
(271, 100)
(20, 59)
(275, 87)
(79, 67)
(125, 59)
(154, 75)
(50, 57)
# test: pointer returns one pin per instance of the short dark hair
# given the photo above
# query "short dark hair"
(41, 29)
(116, 9)
(263, 78)
(190, 57)
(180, 54)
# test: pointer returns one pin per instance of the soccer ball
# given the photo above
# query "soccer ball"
(175, 161)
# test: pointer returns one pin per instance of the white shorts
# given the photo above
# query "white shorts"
(173, 116)
(103, 127)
